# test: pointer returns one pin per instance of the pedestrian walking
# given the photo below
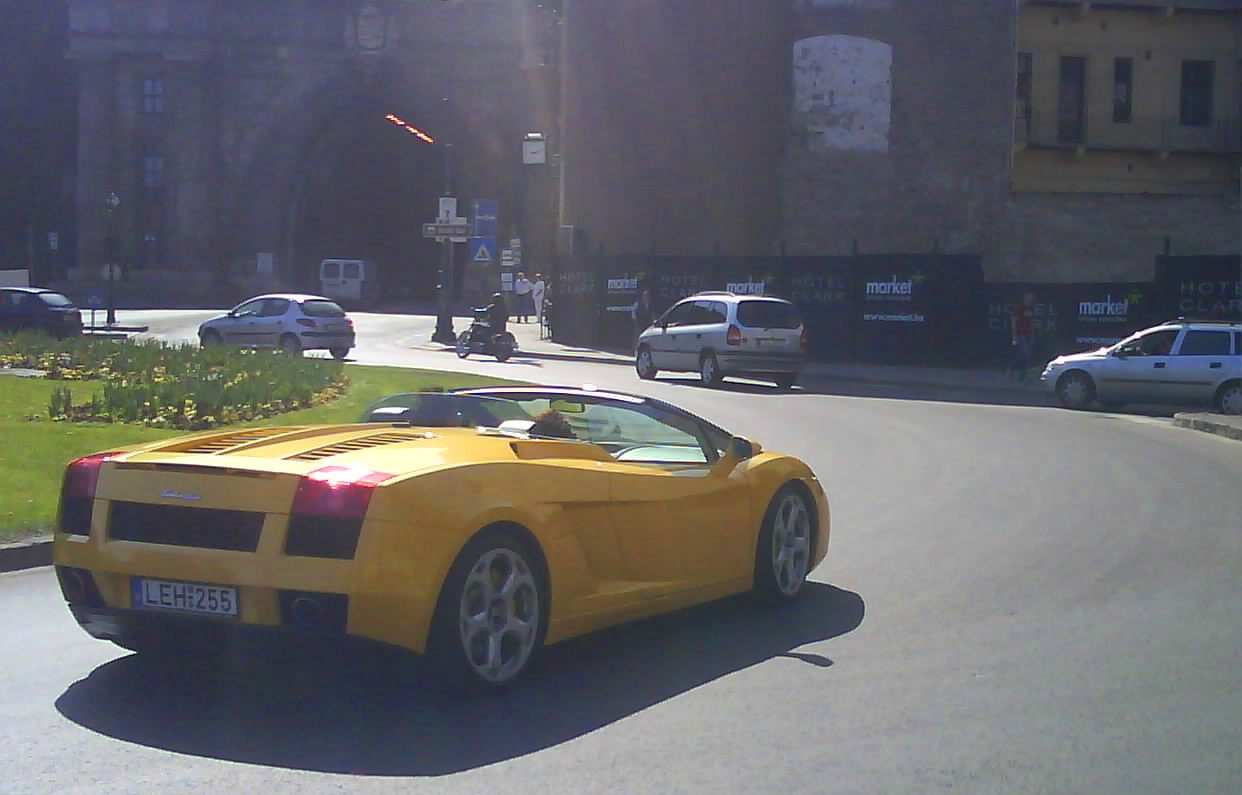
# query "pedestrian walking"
(537, 291)
(521, 290)
(642, 313)
(1023, 327)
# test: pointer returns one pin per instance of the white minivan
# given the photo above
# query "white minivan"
(350, 280)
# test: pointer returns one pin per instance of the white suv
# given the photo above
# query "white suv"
(720, 333)
(1179, 362)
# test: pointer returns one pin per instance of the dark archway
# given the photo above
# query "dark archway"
(362, 191)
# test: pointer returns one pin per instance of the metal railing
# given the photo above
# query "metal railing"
(1143, 134)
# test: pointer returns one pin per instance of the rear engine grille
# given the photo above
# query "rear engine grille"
(204, 528)
(222, 443)
(356, 444)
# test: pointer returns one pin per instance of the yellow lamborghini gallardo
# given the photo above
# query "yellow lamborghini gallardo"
(473, 526)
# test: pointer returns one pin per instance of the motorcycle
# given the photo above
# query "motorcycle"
(479, 338)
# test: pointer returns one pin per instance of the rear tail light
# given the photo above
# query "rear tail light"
(328, 509)
(77, 493)
(337, 491)
(349, 322)
(734, 336)
(306, 321)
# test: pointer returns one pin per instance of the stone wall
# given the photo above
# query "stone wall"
(1066, 237)
(901, 131)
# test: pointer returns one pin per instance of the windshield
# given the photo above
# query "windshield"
(322, 308)
(56, 299)
(768, 314)
(437, 410)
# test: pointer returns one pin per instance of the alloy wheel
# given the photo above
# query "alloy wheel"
(791, 543)
(498, 618)
(1231, 399)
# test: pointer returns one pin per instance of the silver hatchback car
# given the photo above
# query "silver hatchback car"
(720, 334)
(292, 322)
(1180, 362)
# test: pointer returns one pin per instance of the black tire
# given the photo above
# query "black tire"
(1229, 397)
(644, 363)
(454, 643)
(785, 547)
(211, 339)
(1076, 390)
(709, 370)
(786, 380)
(290, 345)
(502, 349)
(338, 353)
(463, 345)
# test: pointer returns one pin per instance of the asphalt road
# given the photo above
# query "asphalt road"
(1016, 600)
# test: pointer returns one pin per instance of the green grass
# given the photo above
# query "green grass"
(33, 454)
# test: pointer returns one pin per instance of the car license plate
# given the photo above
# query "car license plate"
(772, 342)
(184, 597)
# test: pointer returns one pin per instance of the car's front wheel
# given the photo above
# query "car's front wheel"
(210, 339)
(1229, 398)
(1076, 390)
(644, 364)
(783, 554)
(491, 617)
(291, 345)
(463, 344)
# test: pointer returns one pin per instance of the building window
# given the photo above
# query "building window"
(1023, 112)
(1123, 90)
(1198, 84)
(152, 96)
(1071, 100)
(152, 171)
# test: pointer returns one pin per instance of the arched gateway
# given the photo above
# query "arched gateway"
(244, 136)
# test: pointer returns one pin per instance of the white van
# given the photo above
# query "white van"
(350, 280)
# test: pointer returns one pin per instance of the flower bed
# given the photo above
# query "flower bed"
(171, 386)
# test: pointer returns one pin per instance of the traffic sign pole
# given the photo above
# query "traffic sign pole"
(444, 333)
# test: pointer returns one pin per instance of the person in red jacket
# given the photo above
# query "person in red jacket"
(1023, 327)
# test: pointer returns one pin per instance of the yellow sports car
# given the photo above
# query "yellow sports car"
(473, 526)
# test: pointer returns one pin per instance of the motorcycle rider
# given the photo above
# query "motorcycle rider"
(497, 315)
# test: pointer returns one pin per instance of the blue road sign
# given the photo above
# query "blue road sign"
(482, 251)
(486, 212)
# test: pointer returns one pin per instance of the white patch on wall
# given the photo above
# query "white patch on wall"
(843, 93)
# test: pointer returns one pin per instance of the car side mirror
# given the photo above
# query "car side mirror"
(741, 448)
(1121, 354)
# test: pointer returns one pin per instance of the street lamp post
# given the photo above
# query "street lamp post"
(112, 202)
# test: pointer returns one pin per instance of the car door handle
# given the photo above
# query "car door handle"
(1159, 365)
(1214, 365)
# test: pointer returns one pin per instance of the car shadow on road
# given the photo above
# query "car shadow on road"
(380, 712)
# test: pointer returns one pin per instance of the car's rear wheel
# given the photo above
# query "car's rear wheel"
(709, 370)
(644, 363)
(1229, 398)
(211, 339)
(786, 380)
(290, 345)
(1076, 390)
(491, 617)
(783, 554)
(338, 353)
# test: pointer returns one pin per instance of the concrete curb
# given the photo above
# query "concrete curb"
(1210, 423)
(26, 555)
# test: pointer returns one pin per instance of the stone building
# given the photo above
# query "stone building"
(247, 138)
(1054, 140)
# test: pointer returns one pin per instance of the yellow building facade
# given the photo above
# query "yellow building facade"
(1128, 98)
